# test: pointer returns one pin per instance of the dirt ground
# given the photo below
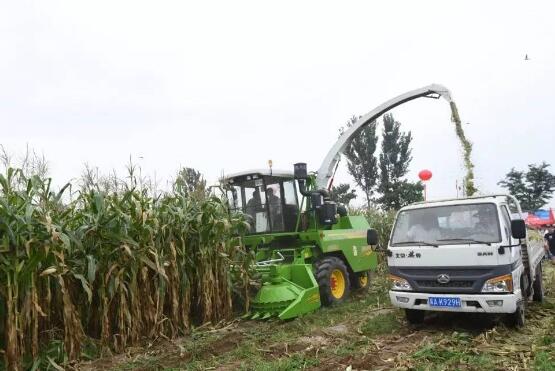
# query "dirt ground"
(364, 333)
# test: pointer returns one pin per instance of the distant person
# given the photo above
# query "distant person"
(549, 245)
(274, 202)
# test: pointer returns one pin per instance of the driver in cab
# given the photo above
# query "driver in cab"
(254, 205)
(425, 229)
(486, 227)
(274, 202)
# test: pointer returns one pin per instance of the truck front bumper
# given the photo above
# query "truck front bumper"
(476, 303)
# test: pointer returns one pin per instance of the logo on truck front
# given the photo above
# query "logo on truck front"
(443, 278)
(485, 253)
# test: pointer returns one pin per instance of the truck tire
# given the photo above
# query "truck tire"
(518, 318)
(333, 280)
(414, 316)
(360, 280)
(538, 285)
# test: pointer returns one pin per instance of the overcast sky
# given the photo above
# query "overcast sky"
(225, 86)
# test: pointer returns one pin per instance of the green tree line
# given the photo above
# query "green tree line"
(379, 172)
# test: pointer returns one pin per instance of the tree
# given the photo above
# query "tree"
(361, 162)
(532, 188)
(394, 164)
(190, 182)
(407, 193)
(342, 194)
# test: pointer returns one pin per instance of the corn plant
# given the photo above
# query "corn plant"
(115, 265)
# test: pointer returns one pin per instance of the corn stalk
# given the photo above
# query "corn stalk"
(114, 265)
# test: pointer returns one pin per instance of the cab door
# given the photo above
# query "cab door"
(511, 254)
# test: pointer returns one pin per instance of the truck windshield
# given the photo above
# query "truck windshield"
(448, 225)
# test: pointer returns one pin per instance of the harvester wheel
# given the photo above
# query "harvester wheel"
(360, 280)
(333, 279)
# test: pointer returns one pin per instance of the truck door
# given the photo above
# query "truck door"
(511, 253)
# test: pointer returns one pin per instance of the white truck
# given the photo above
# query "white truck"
(464, 255)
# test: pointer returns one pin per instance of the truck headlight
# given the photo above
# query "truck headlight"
(398, 283)
(499, 284)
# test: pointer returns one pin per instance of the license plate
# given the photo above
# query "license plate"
(435, 301)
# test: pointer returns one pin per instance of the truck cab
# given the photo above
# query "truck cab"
(463, 255)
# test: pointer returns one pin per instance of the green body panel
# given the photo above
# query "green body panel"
(351, 242)
(348, 237)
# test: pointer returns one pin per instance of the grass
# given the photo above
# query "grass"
(295, 362)
(547, 340)
(544, 361)
(451, 358)
(385, 323)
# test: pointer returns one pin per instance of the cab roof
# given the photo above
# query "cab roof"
(495, 198)
(260, 173)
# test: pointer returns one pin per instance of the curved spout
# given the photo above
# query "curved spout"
(325, 172)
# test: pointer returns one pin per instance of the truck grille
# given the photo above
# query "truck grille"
(457, 283)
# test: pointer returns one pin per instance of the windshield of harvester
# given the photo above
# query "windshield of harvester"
(269, 203)
(447, 225)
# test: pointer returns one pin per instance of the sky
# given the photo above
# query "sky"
(226, 86)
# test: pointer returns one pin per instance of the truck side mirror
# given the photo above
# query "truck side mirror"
(372, 237)
(518, 228)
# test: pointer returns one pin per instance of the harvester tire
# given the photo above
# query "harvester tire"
(360, 280)
(333, 280)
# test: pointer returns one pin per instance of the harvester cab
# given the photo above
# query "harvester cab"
(309, 251)
(273, 202)
(268, 199)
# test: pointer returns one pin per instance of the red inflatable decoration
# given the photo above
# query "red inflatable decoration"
(425, 175)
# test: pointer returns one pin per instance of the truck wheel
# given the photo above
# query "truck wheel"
(517, 319)
(360, 280)
(333, 280)
(538, 285)
(414, 316)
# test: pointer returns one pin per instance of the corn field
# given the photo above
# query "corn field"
(110, 267)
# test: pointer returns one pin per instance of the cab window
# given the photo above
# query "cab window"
(506, 221)
(268, 202)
